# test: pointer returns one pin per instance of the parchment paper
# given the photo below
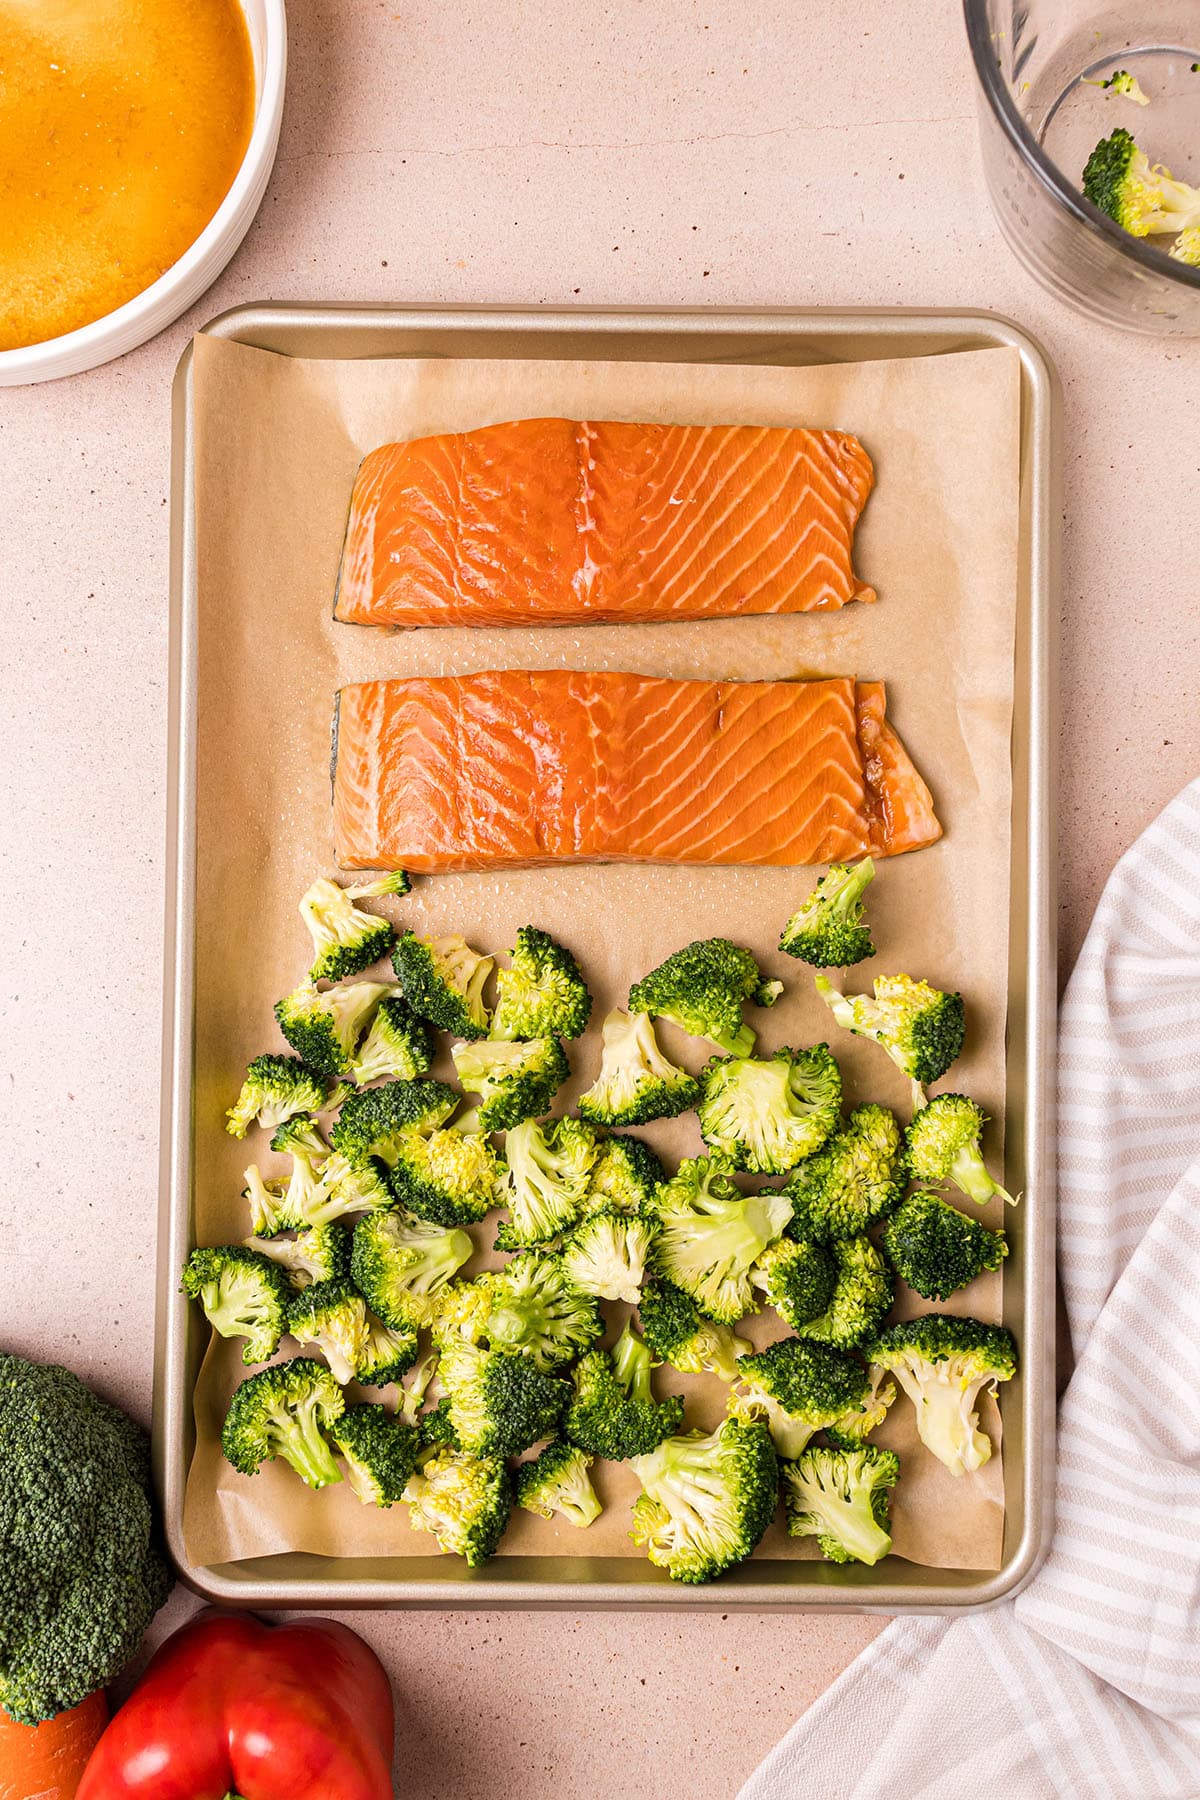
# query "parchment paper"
(278, 441)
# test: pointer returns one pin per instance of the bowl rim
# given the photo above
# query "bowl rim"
(1137, 250)
(141, 309)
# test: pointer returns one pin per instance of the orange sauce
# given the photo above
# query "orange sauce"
(122, 126)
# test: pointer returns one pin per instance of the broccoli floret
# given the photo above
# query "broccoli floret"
(333, 1316)
(465, 1501)
(276, 1087)
(446, 1177)
(324, 1029)
(706, 1501)
(840, 1497)
(81, 1576)
(387, 1354)
(436, 1429)
(378, 1121)
(396, 881)
(701, 989)
(798, 1278)
(443, 979)
(829, 931)
(626, 1177)
(614, 1412)
(678, 1333)
(861, 1295)
(920, 1028)
(282, 1411)
(943, 1145)
(500, 1404)
(855, 1179)
(937, 1249)
(318, 1190)
(242, 1294)
(636, 1083)
(543, 994)
(346, 940)
(357, 1184)
(320, 1254)
(398, 1047)
(1186, 248)
(412, 1394)
(514, 1082)
(606, 1255)
(401, 1265)
(1142, 197)
(942, 1363)
(797, 1387)
(538, 1311)
(380, 1453)
(1123, 83)
(557, 1481)
(767, 1115)
(545, 1181)
(462, 1309)
(712, 1236)
(867, 1414)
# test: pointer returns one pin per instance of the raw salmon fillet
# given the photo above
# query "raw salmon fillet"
(515, 768)
(558, 521)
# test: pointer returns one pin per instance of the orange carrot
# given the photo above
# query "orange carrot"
(46, 1761)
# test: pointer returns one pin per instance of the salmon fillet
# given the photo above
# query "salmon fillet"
(557, 521)
(512, 769)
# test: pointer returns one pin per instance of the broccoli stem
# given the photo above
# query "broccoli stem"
(970, 1174)
(632, 1364)
(307, 1450)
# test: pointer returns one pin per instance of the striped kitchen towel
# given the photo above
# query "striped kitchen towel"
(1087, 1686)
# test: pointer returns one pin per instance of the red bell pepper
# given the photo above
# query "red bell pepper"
(230, 1707)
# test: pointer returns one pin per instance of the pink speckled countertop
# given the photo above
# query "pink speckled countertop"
(675, 153)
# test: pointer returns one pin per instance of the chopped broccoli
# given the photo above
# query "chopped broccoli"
(282, 1411)
(677, 1332)
(387, 1354)
(446, 1177)
(606, 1255)
(706, 1501)
(412, 1395)
(829, 931)
(1123, 83)
(462, 1309)
(243, 1295)
(920, 1028)
(857, 1423)
(324, 1029)
(357, 1184)
(797, 1387)
(942, 1363)
(626, 1177)
(937, 1249)
(380, 1453)
(712, 1236)
(346, 940)
(543, 994)
(943, 1145)
(557, 1481)
(701, 989)
(840, 1497)
(614, 1412)
(767, 1115)
(636, 1083)
(266, 1200)
(514, 1082)
(465, 1501)
(317, 1191)
(538, 1311)
(396, 881)
(500, 1404)
(333, 1316)
(276, 1087)
(1142, 197)
(377, 1121)
(322, 1253)
(545, 1182)
(861, 1296)
(443, 979)
(1186, 248)
(398, 1047)
(401, 1265)
(855, 1179)
(798, 1278)
(435, 1428)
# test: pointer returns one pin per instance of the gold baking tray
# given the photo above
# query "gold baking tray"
(1027, 1403)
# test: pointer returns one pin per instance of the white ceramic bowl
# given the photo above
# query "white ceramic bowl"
(184, 282)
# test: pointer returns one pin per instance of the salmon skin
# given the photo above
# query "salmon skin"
(558, 521)
(513, 769)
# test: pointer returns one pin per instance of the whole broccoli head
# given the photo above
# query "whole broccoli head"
(514, 1081)
(243, 1294)
(937, 1249)
(346, 940)
(542, 993)
(706, 1501)
(626, 1176)
(557, 1481)
(399, 1046)
(943, 1363)
(861, 1295)
(768, 1114)
(465, 1501)
(701, 988)
(606, 1254)
(636, 1083)
(448, 1177)
(324, 1028)
(920, 1028)
(545, 1180)
(276, 1087)
(284, 1411)
(614, 1412)
(678, 1333)
(333, 1316)
(840, 1497)
(797, 1387)
(829, 931)
(798, 1278)
(943, 1145)
(81, 1575)
(500, 1404)
(377, 1122)
(401, 1265)
(443, 979)
(380, 1453)
(856, 1178)
(712, 1236)
(1141, 196)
